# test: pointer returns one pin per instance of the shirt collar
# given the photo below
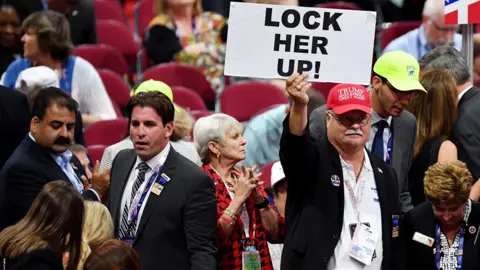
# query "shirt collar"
(366, 162)
(464, 91)
(376, 118)
(157, 161)
(66, 156)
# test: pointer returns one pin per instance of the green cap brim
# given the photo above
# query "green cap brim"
(407, 85)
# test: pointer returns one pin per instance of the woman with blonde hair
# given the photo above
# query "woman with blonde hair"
(97, 228)
(188, 35)
(52, 226)
(442, 233)
(436, 113)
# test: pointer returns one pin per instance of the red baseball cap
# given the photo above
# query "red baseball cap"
(343, 98)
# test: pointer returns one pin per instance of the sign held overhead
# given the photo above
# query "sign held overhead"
(274, 41)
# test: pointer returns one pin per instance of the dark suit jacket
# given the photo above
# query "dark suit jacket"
(404, 128)
(14, 121)
(466, 133)
(42, 259)
(314, 208)
(177, 228)
(24, 175)
(422, 220)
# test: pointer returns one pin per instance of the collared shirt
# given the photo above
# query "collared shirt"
(157, 160)
(369, 209)
(69, 172)
(275, 251)
(464, 91)
(415, 43)
(449, 253)
(386, 132)
(263, 135)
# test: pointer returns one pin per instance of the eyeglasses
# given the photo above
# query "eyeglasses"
(444, 29)
(402, 94)
(348, 121)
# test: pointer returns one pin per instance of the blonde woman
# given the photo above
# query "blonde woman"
(436, 113)
(187, 35)
(97, 228)
(442, 233)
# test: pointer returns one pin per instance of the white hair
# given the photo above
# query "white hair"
(432, 8)
(41, 76)
(212, 128)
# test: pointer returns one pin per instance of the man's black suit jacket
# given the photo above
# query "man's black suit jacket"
(314, 208)
(25, 173)
(177, 228)
(14, 121)
(422, 220)
(466, 132)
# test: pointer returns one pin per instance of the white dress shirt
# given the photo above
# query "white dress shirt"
(369, 209)
(464, 91)
(154, 162)
(386, 132)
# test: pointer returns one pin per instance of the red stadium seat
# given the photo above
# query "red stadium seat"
(117, 90)
(109, 10)
(323, 88)
(188, 99)
(339, 5)
(96, 152)
(396, 30)
(176, 74)
(243, 100)
(103, 57)
(143, 14)
(119, 36)
(106, 132)
(199, 114)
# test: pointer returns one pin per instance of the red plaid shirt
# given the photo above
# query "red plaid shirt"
(230, 249)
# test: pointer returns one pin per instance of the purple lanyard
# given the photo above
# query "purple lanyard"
(459, 251)
(161, 181)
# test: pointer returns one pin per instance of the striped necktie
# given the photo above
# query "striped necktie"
(125, 230)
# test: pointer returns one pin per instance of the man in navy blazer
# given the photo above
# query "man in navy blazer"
(43, 157)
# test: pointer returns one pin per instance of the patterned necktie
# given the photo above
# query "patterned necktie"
(124, 228)
(378, 147)
(64, 160)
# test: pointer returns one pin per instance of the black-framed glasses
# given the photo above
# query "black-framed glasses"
(347, 121)
(401, 94)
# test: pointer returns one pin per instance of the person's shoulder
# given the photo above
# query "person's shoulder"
(161, 20)
(11, 95)
(402, 42)
(406, 120)
(45, 257)
(121, 145)
(209, 15)
(82, 64)
(420, 212)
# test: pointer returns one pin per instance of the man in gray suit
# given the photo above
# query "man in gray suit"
(394, 85)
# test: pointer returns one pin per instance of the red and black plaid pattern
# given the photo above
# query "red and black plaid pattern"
(230, 249)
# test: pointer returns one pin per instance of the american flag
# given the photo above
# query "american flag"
(462, 11)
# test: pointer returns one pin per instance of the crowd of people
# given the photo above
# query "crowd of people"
(374, 177)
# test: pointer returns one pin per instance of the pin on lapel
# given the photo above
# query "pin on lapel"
(73, 166)
(157, 189)
(380, 170)
(164, 176)
(472, 229)
(335, 180)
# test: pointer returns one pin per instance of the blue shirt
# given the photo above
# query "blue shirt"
(263, 135)
(415, 43)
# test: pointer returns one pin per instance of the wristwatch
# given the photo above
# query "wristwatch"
(262, 205)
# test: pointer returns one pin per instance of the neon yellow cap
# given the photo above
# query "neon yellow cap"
(155, 86)
(400, 69)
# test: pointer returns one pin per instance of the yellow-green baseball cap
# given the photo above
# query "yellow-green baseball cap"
(400, 69)
(155, 86)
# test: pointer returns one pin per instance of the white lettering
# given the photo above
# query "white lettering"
(348, 93)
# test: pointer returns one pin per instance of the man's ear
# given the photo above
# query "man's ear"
(34, 125)
(169, 129)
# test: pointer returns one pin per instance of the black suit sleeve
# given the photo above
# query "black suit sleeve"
(162, 44)
(200, 223)
(406, 236)
(23, 187)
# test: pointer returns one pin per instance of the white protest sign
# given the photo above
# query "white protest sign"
(274, 41)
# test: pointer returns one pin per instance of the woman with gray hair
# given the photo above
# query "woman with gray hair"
(245, 219)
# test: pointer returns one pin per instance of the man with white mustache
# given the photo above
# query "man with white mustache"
(342, 209)
(394, 85)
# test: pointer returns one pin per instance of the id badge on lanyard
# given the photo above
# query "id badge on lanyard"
(250, 254)
(364, 239)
